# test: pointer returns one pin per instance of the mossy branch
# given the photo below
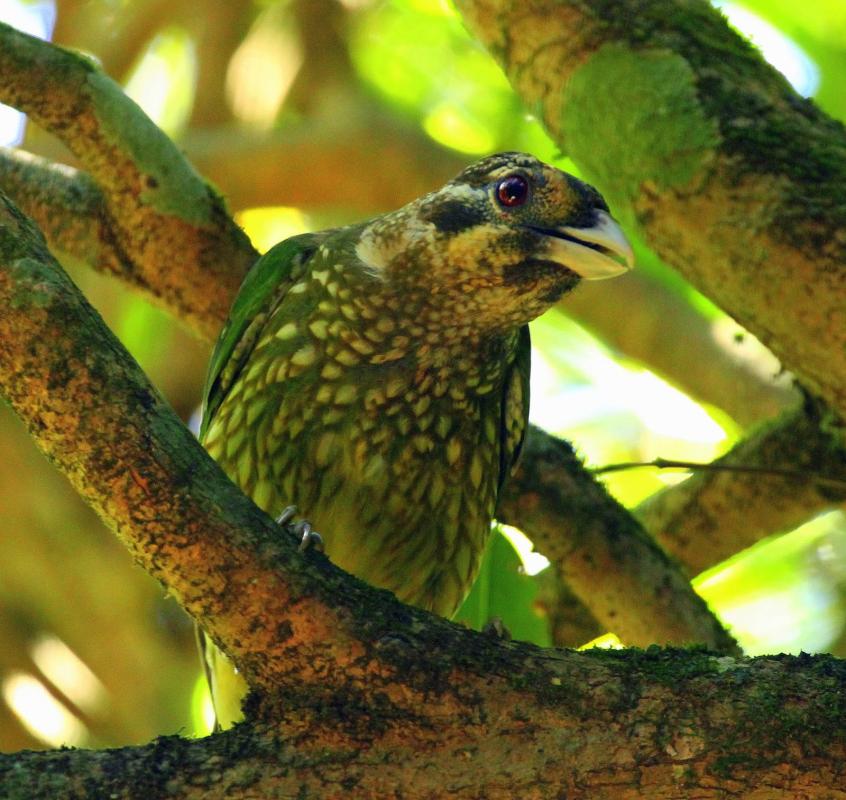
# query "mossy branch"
(164, 218)
(676, 724)
(70, 210)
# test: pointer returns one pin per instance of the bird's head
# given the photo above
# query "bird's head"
(500, 242)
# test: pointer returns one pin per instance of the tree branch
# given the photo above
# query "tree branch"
(308, 164)
(605, 556)
(737, 182)
(162, 212)
(715, 514)
(70, 210)
(93, 413)
(538, 724)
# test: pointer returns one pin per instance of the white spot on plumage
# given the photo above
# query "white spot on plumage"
(347, 358)
(370, 252)
(331, 371)
(287, 331)
(305, 356)
(346, 394)
(318, 328)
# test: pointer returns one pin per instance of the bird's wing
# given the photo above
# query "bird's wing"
(265, 284)
(515, 407)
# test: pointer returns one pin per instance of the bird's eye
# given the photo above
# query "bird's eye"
(512, 191)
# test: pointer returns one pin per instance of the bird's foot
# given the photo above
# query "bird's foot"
(308, 538)
(495, 627)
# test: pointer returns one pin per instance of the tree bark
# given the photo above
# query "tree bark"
(573, 521)
(160, 209)
(501, 721)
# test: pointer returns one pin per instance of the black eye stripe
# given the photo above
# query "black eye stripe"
(512, 191)
(454, 216)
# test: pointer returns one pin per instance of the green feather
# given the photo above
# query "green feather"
(515, 407)
(260, 288)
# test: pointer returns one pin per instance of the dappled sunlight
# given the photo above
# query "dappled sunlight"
(779, 49)
(202, 708)
(163, 81)
(608, 641)
(533, 562)
(271, 224)
(773, 596)
(263, 69)
(577, 382)
(40, 713)
(69, 674)
(448, 124)
(743, 347)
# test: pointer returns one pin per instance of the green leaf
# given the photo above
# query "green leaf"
(503, 590)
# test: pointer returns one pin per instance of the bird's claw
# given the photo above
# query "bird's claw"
(308, 538)
(286, 516)
(495, 627)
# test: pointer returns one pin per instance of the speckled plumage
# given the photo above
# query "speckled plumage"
(376, 376)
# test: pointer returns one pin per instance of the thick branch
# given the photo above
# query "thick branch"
(165, 219)
(70, 210)
(731, 177)
(604, 726)
(611, 564)
(715, 514)
(94, 414)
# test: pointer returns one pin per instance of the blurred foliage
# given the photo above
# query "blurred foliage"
(261, 65)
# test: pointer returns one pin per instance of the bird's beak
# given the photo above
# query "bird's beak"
(601, 251)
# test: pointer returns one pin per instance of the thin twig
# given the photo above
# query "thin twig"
(670, 463)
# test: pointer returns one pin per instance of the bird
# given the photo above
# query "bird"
(376, 376)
